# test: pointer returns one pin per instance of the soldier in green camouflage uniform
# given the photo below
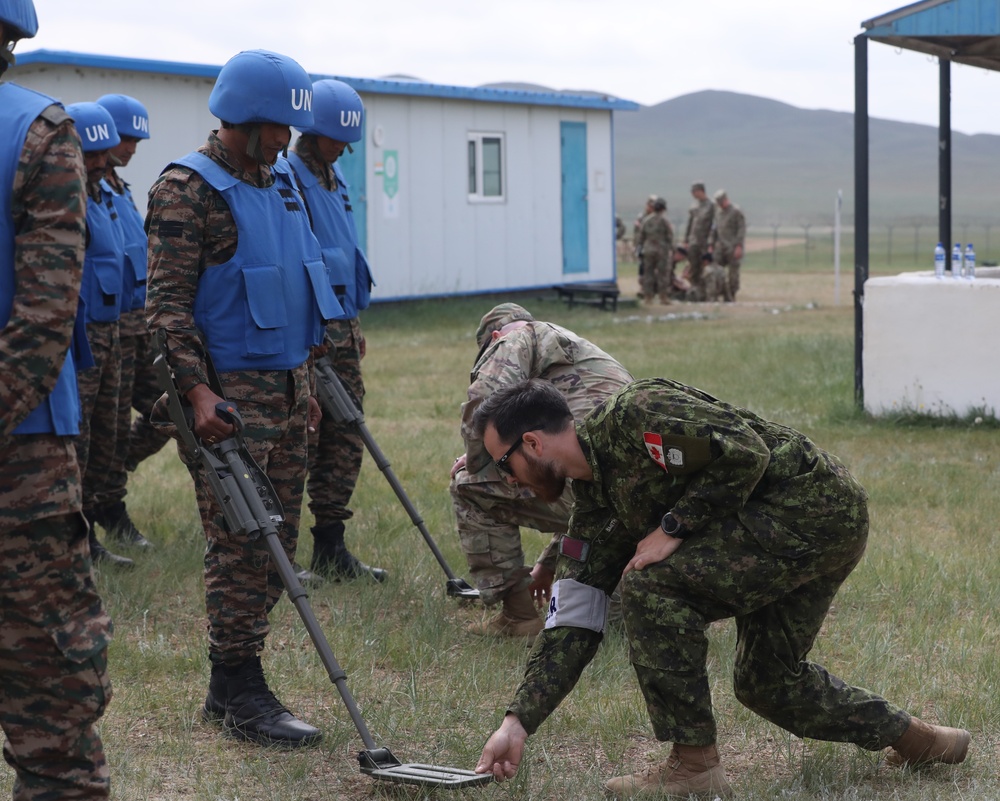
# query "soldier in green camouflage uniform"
(54, 630)
(488, 509)
(728, 235)
(655, 241)
(696, 237)
(194, 236)
(710, 512)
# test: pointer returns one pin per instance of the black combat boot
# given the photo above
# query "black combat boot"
(218, 691)
(98, 553)
(332, 559)
(254, 714)
(119, 525)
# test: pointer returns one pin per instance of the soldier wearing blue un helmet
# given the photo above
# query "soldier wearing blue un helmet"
(138, 387)
(235, 269)
(55, 630)
(335, 452)
(101, 304)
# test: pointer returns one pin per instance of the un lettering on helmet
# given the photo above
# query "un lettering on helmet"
(338, 112)
(94, 125)
(262, 86)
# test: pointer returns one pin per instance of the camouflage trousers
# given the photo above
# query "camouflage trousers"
(489, 512)
(697, 291)
(778, 583)
(724, 258)
(99, 388)
(241, 587)
(54, 683)
(656, 276)
(110, 486)
(336, 450)
(714, 283)
(144, 439)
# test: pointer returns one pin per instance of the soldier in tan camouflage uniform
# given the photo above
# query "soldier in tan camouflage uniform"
(703, 511)
(489, 510)
(655, 241)
(235, 269)
(54, 631)
(728, 235)
(696, 237)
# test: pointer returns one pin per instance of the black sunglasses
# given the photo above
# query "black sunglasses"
(501, 463)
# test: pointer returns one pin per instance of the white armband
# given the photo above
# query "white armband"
(577, 605)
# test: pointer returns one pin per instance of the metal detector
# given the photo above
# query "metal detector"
(338, 402)
(251, 506)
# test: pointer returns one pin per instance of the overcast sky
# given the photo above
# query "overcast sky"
(796, 51)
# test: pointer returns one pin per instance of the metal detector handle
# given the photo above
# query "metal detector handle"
(338, 402)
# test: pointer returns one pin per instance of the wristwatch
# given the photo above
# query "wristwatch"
(672, 527)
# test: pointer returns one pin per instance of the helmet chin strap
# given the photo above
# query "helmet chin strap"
(7, 57)
(254, 150)
(117, 162)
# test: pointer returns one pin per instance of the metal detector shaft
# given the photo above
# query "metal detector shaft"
(341, 406)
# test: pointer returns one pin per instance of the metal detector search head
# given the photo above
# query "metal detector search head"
(379, 763)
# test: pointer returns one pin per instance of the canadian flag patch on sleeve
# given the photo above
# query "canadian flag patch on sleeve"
(654, 446)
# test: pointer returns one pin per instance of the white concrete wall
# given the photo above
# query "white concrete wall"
(930, 344)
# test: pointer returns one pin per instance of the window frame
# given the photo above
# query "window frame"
(474, 149)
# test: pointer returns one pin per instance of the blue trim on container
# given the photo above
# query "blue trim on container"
(361, 85)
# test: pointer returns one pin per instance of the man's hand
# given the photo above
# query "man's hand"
(503, 751)
(458, 465)
(314, 415)
(738, 252)
(654, 547)
(541, 585)
(208, 426)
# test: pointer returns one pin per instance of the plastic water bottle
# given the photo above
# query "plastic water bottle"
(939, 260)
(956, 261)
(970, 262)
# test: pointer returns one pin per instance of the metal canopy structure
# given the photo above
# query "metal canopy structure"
(963, 31)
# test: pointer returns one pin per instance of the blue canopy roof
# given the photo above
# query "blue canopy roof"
(370, 85)
(964, 31)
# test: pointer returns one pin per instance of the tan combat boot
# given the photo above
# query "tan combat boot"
(923, 743)
(689, 770)
(518, 619)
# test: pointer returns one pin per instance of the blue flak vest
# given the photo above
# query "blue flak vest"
(333, 224)
(59, 413)
(134, 274)
(104, 262)
(268, 305)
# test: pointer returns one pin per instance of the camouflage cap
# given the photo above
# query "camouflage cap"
(719, 195)
(496, 318)
(697, 186)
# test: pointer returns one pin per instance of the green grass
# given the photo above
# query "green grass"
(916, 621)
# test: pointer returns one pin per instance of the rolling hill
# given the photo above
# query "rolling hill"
(784, 164)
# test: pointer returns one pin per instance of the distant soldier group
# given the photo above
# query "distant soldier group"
(713, 248)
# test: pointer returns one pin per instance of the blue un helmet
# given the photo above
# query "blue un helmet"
(19, 22)
(260, 86)
(338, 111)
(95, 126)
(130, 116)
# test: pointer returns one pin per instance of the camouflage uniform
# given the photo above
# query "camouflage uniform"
(730, 230)
(336, 449)
(99, 393)
(191, 228)
(54, 630)
(696, 239)
(655, 238)
(774, 526)
(139, 390)
(488, 509)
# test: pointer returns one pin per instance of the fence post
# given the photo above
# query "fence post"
(888, 245)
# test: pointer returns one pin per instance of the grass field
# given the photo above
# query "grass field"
(917, 621)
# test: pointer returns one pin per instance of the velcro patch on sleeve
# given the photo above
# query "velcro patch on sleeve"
(170, 229)
(577, 550)
(676, 454)
(577, 606)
